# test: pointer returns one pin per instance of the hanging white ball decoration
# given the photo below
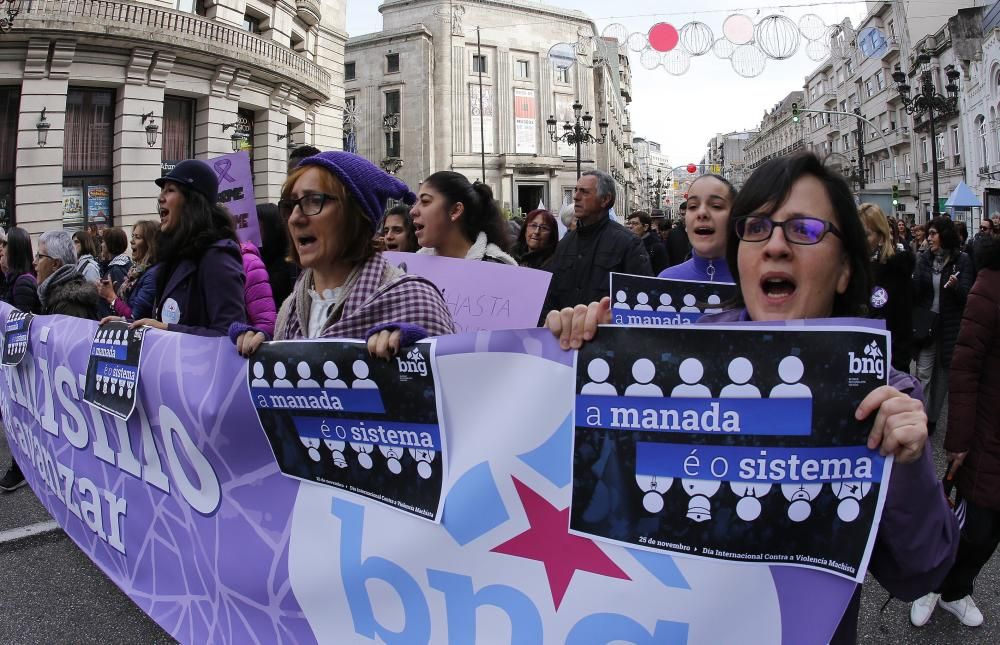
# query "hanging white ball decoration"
(818, 50)
(812, 26)
(723, 48)
(696, 38)
(676, 62)
(738, 28)
(748, 61)
(650, 58)
(617, 31)
(777, 36)
(637, 42)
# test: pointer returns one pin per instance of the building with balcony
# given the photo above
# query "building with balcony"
(979, 104)
(97, 75)
(431, 92)
(777, 135)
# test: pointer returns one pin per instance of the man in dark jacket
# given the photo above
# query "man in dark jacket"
(597, 247)
(61, 289)
(641, 224)
(678, 244)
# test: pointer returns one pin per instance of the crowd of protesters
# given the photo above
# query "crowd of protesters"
(319, 272)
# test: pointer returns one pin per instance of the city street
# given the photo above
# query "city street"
(55, 594)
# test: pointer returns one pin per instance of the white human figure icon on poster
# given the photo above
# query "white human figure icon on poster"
(714, 303)
(689, 304)
(332, 373)
(131, 385)
(279, 376)
(700, 490)
(258, 375)
(790, 371)
(666, 304)
(801, 497)
(424, 459)
(691, 371)
(122, 337)
(336, 448)
(392, 455)
(748, 507)
(364, 451)
(850, 494)
(740, 373)
(598, 372)
(642, 300)
(621, 300)
(312, 443)
(361, 380)
(305, 376)
(643, 372)
(653, 487)
(102, 383)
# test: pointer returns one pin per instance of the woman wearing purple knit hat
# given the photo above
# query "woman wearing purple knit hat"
(332, 202)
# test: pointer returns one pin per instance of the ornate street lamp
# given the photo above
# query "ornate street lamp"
(43, 130)
(392, 163)
(151, 129)
(11, 8)
(579, 133)
(930, 101)
(237, 138)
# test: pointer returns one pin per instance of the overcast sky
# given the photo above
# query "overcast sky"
(683, 112)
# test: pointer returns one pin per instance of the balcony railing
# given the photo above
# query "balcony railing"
(108, 18)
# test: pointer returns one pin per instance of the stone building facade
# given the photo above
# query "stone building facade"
(268, 71)
(413, 95)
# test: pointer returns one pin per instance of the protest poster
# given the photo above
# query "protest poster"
(15, 336)
(113, 369)
(481, 295)
(641, 300)
(236, 193)
(733, 443)
(348, 431)
(210, 516)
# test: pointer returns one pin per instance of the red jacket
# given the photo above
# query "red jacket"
(261, 311)
(974, 390)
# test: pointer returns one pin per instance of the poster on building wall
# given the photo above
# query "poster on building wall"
(486, 135)
(98, 204)
(72, 207)
(564, 113)
(525, 118)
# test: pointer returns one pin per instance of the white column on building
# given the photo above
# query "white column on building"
(270, 156)
(213, 111)
(39, 169)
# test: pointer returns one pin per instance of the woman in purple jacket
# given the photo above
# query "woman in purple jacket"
(199, 281)
(710, 197)
(800, 251)
(261, 311)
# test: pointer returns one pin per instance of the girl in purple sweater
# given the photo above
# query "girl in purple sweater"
(707, 219)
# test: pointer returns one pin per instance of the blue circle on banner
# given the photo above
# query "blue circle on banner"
(873, 43)
(879, 297)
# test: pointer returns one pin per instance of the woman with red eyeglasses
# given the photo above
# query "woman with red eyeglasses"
(536, 242)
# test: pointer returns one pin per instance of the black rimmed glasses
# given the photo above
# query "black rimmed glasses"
(310, 204)
(799, 229)
(39, 256)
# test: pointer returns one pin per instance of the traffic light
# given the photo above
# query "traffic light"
(795, 112)
(895, 194)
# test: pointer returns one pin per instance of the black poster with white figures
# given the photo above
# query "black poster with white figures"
(113, 371)
(338, 416)
(737, 443)
(15, 336)
(663, 302)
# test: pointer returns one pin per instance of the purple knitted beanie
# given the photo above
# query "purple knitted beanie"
(370, 186)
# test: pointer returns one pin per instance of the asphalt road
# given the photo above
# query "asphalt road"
(52, 593)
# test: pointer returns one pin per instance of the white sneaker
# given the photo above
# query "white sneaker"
(965, 609)
(922, 608)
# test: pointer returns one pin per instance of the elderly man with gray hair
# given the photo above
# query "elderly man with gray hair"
(61, 289)
(598, 246)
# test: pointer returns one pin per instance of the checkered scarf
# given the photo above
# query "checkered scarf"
(377, 293)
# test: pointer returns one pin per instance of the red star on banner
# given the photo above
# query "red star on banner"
(549, 541)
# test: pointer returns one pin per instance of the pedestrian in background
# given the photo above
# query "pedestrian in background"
(398, 232)
(117, 256)
(891, 299)
(537, 240)
(275, 252)
(941, 283)
(972, 444)
(640, 223)
(134, 298)
(86, 256)
(678, 244)
(21, 287)
(458, 219)
(62, 289)
(257, 294)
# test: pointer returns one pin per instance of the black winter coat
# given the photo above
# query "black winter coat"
(68, 293)
(586, 257)
(952, 300)
(658, 258)
(21, 291)
(892, 301)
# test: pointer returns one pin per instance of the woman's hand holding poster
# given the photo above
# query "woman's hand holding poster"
(735, 443)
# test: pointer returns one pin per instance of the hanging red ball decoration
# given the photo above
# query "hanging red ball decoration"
(663, 37)
(692, 168)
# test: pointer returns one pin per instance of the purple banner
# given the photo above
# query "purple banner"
(184, 508)
(236, 193)
(482, 296)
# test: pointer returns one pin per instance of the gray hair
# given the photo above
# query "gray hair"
(59, 246)
(605, 184)
(567, 213)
